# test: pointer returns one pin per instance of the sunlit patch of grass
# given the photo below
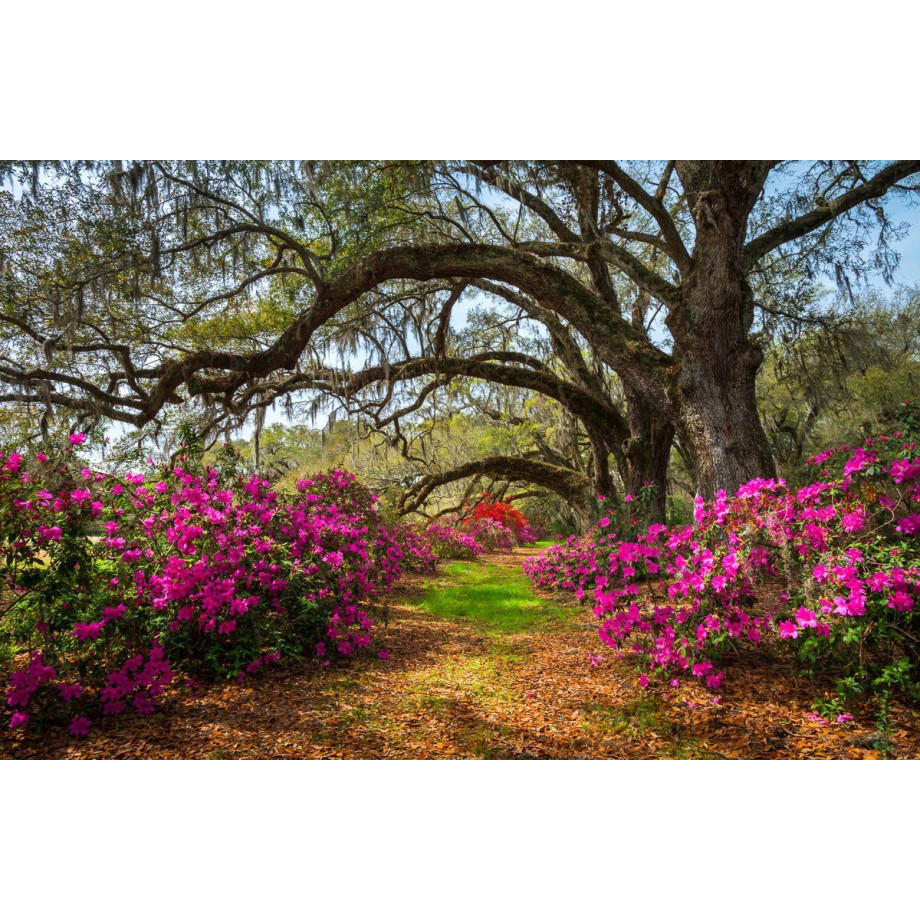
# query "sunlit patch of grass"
(358, 714)
(505, 653)
(495, 597)
(482, 743)
(478, 677)
(435, 702)
(638, 717)
(691, 749)
(645, 717)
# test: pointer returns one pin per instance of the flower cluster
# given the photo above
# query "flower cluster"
(832, 568)
(113, 582)
(489, 527)
(491, 535)
(448, 541)
(507, 515)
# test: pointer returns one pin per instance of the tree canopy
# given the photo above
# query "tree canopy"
(641, 298)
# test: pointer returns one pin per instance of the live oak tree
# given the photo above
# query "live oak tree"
(697, 240)
(127, 288)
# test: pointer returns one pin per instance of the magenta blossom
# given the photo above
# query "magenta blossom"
(80, 726)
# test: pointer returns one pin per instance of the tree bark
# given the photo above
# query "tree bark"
(719, 421)
(715, 395)
(647, 452)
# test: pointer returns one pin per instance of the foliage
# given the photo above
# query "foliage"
(112, 583)
(839, 383)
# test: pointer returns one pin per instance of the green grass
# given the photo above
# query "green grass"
(647, 716)
(541, 544)
(497, 598)
(642, 715)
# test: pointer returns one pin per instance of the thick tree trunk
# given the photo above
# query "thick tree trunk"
(719, 422)
(714, 394)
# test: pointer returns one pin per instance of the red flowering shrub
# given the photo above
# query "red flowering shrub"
(832, 568)
(491, 527)
(500, 512)
(110, 583)
(504, 514)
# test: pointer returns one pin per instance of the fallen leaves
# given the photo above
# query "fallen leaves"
(448, 691)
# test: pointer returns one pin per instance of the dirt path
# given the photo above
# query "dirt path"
(452, 689)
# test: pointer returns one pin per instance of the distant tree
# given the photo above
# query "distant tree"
(843, 381)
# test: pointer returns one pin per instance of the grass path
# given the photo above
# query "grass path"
(480, 666)
(494, 596)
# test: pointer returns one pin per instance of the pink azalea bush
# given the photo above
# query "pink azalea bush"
(449, 541)
(492, 536)
(110, 584)
(831, 569)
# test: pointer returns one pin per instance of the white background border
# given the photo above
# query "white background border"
(398, 80)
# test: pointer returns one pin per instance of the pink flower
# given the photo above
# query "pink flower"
(78, 438)
(844, 717)
(900, 600)
(384, 654)
(643, 681)
(143, 703)
(19, 719)
(909, 524)
(854, 521)
(80, 725)
(83, 632)
(788, 630)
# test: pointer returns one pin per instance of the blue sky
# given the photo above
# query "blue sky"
(909, 269)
